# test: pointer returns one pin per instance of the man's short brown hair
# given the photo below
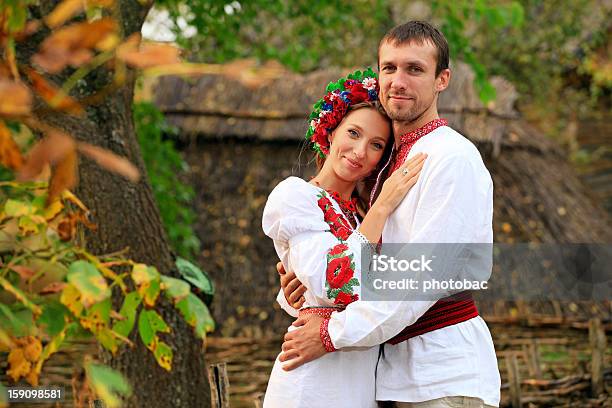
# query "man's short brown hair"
(420, 31)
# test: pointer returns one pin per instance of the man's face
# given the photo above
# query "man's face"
(408, 82)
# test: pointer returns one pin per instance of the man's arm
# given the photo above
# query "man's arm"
(292, 290)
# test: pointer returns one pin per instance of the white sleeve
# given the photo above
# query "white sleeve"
(280, 299)
(456, 189)
(328, 267)
(325, 264)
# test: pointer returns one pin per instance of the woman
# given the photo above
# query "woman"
(318, 233)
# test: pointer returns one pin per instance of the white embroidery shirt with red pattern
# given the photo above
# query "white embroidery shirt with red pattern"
(409, 139)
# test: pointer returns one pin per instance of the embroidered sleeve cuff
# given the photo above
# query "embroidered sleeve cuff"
(325, 339)
(361, 239)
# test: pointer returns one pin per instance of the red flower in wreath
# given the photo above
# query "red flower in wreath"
(344, 272)
(320, 137)
(358, 93)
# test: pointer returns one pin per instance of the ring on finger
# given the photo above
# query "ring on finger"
(405, 171)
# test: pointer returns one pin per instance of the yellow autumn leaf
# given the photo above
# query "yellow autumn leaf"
(20, 296)
(32, 348)
(53, 95)
(68, 196)
(31, 224)
(53, 210)
(32, 377)
(15, 98)
(49, 349)
(50, 150)
(110, 161)
(63, 11)
(19, 366)
(10, 154)
(72, 45)
(142, 273)
(71, 298)
(64, 176)
(89, 282)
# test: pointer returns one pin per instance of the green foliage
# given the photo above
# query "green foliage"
(165, 167)
(535, 54)
(557, 55)
(52, 290)
(202, 283)
(108, 383)
(305, 35)
(549, 50)
(458, 14)
(3, 396)
(302, 35)
(196, 314)
(128, 312)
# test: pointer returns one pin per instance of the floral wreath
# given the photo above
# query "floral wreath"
(329, 111)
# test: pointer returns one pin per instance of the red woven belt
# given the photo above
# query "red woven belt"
(445, 312)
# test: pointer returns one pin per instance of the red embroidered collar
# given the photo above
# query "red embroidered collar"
(348, 206)
(407, 140)
(413, 136)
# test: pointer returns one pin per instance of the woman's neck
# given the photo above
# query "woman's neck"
(330, 181)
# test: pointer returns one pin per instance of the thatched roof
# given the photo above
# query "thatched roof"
(538, 196)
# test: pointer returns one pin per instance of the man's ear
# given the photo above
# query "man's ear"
(443, 80)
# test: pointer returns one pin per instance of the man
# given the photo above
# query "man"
(438, 355)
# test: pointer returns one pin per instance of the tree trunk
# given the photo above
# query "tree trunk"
(127, 217)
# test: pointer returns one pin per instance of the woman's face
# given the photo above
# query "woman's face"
(358, 143)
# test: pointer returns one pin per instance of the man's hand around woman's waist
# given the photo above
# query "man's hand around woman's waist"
(292, 287)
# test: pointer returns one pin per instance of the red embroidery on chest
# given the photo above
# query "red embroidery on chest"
(339, 280)
(409, 139)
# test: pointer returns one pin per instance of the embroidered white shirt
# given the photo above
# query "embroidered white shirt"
(452, 202)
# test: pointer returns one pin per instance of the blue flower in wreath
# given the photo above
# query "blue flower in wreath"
(344, 96)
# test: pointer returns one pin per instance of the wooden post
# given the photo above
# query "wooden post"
(597, 340)
(532, 356)
(523, 310)
(514, 379)
(258, 401)
(219, 385)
